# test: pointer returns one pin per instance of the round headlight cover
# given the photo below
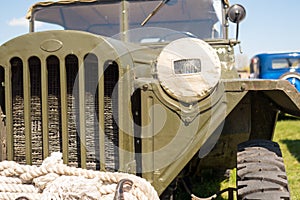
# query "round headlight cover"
(188, 69)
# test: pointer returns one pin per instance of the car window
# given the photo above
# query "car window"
(281, 63)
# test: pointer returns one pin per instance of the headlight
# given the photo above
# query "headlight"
(188, 69)
(187, 66)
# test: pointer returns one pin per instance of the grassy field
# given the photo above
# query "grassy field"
(287, 134)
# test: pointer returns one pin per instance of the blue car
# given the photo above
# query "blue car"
(277, 66)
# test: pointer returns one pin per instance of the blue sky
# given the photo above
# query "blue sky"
(269, 26)
(12, 18)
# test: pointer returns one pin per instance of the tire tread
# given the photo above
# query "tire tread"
(260, 171)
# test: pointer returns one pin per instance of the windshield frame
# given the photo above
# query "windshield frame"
(125, 18)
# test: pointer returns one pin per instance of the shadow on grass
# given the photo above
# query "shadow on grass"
(283, 116)
(294, 147)
(207, 185)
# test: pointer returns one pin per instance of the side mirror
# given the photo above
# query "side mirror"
(236, 13)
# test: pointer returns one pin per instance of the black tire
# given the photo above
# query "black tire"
(260, 171)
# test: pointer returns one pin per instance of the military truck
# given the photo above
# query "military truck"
(143, 87)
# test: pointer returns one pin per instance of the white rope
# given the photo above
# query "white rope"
(55, 181)
(17, 188)
(42, 181)
(13, 196)
(10, 180)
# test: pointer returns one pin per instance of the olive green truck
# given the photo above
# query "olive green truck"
(145, 87)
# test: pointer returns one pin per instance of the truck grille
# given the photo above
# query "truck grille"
(56, 106)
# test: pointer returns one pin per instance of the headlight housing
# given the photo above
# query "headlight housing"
(188, 69)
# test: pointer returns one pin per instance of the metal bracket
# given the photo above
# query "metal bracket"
(230, 191)
(123, 185)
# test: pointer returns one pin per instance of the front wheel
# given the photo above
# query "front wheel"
(260, 171)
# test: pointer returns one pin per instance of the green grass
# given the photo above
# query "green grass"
(287, 134)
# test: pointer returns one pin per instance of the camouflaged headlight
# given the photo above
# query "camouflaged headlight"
(188, 69)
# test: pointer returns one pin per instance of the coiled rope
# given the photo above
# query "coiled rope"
(54, 180)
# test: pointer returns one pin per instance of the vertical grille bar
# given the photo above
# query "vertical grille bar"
(64, 112)
(101, 116)
(45, 119)
(9, 114)
(2, 111)
(82, 118)
(27, 113)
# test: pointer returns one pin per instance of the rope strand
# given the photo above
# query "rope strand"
(54, 180)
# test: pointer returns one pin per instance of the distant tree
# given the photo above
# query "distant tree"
(242, 62)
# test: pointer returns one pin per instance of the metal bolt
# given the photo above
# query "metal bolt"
(145, 87)
(243, 86)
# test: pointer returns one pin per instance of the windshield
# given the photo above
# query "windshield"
(186, 18)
